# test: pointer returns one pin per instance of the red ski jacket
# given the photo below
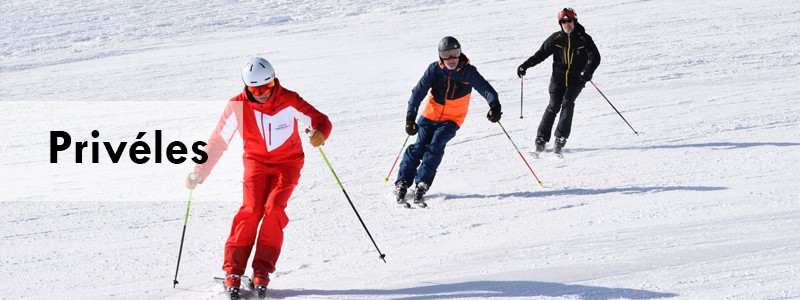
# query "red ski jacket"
(269, 131)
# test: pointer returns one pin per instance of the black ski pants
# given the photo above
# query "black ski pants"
(562, 98)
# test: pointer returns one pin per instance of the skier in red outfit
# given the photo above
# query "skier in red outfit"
(265, 114)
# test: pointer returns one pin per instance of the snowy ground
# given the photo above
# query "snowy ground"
(703, 204)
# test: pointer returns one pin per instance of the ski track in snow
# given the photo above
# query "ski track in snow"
(703, 204)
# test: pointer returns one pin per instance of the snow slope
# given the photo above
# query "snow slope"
(703, 204)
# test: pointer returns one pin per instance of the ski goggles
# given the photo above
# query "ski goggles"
(450, 54)
(261, 89)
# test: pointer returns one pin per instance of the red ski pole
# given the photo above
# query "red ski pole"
(520, 154)
(395, 160)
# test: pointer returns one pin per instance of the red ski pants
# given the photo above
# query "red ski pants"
(267, 189)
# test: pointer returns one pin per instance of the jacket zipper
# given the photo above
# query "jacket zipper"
(261, 124)
(446, 91)
(567, 60)
(453, 93)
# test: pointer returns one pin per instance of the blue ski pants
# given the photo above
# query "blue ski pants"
(422, 158)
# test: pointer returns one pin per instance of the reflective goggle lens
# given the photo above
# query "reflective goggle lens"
(261, 89)
(450, 54)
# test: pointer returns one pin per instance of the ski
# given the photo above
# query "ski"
(419, 195)
(404, 203)
(538, 151)
(539, 155)
(559, 147)
(540, 143)
(558, 153)
(401, 199)
(234, 292)
(421, 203)
(259, 292)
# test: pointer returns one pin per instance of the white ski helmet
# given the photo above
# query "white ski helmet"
(257, 72)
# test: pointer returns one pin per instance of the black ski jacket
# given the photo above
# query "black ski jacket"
(573, 54)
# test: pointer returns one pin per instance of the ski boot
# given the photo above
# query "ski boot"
(400, 190)
(559, 145)
(540, 142)
(422, 188)
(232, 282)
(258, 284)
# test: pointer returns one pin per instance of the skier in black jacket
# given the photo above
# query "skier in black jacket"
(575, 58)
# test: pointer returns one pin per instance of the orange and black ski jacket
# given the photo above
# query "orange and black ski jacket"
(573, 54)
(450, 91)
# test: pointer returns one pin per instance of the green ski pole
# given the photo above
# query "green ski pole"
(185, 220)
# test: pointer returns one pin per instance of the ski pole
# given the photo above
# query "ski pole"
(520, 96)
(382, 256)
(185, 220)
(395, 160)
(612, 106)
(520, 154)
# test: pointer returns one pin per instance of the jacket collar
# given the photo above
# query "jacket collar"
(579, 29)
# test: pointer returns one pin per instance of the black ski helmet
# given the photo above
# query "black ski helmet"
(448, 43)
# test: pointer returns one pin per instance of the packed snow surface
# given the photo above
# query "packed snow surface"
(703, 204)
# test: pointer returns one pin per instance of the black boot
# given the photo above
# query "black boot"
(422, 188)
(540, 144)
(400, 190)
(560, 142)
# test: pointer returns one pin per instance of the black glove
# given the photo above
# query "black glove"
(494, 113)
(586, 77)
(521, 70)
(411, 126)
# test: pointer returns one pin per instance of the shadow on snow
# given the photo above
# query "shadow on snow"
(586, 192)
(712, 146)
(486, 289)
